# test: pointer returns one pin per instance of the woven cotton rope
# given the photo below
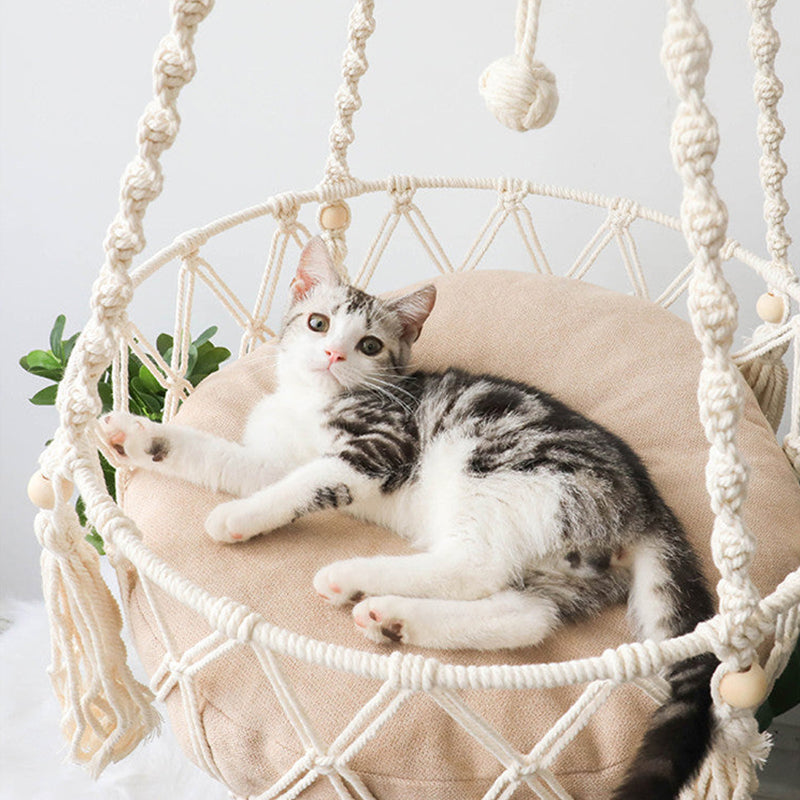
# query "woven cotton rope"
(108, 713)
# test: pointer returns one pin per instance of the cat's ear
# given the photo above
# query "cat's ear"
(315, 268)
(413, 309)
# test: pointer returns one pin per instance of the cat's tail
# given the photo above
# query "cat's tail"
(678, 738)
(669, 597)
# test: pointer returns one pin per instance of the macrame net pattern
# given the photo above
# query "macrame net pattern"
(107, 712)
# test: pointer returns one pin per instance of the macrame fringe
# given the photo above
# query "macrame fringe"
(768, 377)
(106, 712)
(729, 773)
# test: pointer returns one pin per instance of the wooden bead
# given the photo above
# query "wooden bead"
(744, 689)
(334, 217)
(42, 493)
(770, 307)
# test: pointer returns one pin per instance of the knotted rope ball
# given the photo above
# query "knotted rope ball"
(521, 95)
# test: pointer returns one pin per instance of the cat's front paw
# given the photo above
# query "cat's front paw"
(339, 583)
(381, 620)
(135, 440)
(232, 522)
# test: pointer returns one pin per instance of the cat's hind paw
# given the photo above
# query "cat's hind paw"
(377, 620)
(338, 584)
(134, 440)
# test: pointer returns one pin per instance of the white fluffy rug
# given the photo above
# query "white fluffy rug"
(31, 749)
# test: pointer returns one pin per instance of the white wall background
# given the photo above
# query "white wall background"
(76, 76)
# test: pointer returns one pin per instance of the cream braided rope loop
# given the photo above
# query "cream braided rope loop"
(107, 712)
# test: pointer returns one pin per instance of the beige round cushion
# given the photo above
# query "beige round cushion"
(624, 362)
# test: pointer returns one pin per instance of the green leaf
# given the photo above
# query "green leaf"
(220, 354)
(56, 345)
(134, 363)
(96, 541)
(93, 537)
(150, 381)
(42, 364)
(209, 358)
(135, 407)
(80, 510)
(192, 360)
(164, 343)
(109, 473)
(151, 403)
(46, 396)
(41, 359)
(106, 393)
(67, 347)
(205, 336)
(209, 350)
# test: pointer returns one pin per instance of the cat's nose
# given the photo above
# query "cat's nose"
(334, 356)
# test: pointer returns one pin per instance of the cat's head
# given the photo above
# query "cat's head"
(335, 337)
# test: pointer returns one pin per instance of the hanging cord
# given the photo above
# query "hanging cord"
(767, 374)
(519, 90)
(334, 216)
(694, 143)
(768, 90)
(106, 712)
(348, 101)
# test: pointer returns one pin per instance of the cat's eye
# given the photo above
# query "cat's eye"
(318, 323)
(370, 346)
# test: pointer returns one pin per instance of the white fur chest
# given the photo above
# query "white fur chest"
(289, 424)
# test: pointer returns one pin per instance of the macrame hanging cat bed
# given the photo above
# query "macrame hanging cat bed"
(277, 698)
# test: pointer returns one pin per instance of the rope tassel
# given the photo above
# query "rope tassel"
(727, 773)
(106, 712)
(768, 377)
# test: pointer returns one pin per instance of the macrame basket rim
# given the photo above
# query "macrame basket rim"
(406, 670)
(194, 238)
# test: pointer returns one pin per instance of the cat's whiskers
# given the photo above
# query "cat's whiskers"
(396, 384)
(388, 397)
(385, 388)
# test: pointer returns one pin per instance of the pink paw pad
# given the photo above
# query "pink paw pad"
(116, 441)
(237, 536)
(375, 616)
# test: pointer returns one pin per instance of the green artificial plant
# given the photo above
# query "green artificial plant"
(146, 394)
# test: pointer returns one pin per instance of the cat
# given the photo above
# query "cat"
(524, 513)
